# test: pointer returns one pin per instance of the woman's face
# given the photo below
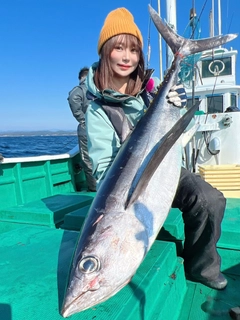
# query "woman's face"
(124, 58)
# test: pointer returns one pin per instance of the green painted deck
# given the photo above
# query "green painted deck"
(48, 211)
(37, 242)
(35, 267)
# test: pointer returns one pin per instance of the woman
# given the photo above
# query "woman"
(117, 83)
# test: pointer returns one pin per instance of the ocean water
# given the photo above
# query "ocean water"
(28, 146)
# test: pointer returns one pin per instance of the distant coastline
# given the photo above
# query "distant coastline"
(38, 133)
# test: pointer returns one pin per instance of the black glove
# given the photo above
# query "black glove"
(177, 96)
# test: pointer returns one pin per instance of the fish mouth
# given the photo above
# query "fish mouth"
(71, 307)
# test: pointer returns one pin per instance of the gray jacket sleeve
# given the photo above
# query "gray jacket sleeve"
(76, 101)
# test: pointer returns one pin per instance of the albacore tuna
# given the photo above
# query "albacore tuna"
(135, 197)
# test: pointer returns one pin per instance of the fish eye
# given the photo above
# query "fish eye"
(89, 264)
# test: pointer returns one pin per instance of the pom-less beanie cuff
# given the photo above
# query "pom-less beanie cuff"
(118, 21)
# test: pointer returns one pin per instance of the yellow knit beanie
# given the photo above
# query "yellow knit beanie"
(117, 22)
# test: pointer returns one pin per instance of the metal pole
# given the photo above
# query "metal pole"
(160, 47)
(213, 31)
(171, 19)
(219, 18)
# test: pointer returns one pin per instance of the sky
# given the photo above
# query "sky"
(44, 44)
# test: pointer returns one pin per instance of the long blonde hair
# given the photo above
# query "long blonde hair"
(104, 73)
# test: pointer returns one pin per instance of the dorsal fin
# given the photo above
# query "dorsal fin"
(164, 146)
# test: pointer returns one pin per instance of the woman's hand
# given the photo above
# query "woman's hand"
(177, 96)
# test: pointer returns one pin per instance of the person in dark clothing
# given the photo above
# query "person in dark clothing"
(118, 78)
(78, 103)
(202, 209)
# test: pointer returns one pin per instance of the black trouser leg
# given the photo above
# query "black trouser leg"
(203, 208)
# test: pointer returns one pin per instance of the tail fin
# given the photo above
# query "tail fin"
(182, 45)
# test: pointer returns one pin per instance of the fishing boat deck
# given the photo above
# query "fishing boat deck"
(37, 242)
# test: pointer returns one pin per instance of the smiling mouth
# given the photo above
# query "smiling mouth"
(123, 67)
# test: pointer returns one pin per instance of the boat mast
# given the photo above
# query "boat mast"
(171, 17)
(219, 18)
(213, 19)
(160, 47)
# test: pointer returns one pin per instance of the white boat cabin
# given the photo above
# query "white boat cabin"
(215, 82)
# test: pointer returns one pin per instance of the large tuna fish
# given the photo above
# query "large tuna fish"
(136, 195)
